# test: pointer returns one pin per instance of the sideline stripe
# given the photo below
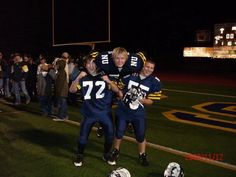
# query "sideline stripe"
(200, 93)
(12, 112)
(174, 151)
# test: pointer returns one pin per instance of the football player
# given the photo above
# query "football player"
(97, 98)
(118, 64)
(132, 108)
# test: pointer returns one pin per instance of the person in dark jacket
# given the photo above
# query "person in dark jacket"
(32, 76)
(61, 90)
(18, 76)
(44, 86)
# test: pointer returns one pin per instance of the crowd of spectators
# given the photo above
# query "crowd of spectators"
(43, 79)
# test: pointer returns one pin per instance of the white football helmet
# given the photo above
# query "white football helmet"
(174, 170)
(133, 96)
(119, 172)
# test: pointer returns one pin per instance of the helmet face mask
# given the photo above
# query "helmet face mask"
(119, 172)
(174, 170)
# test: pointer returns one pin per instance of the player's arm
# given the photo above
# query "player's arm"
(112, 85)
(146, 101)
(73, 87)
(137, 61)
(141, 57)
(155, 93)
(103, 60)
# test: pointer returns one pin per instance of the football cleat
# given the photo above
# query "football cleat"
(174, 170)
(79, 160)
(108, 158)
(115, 153)
(143, 159)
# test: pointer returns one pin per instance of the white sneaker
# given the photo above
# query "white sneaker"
(78, 164)
(108, 158)
(79, 160)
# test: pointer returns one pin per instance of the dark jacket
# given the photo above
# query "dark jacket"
(44, 84)
(19, 73)
(61, 85)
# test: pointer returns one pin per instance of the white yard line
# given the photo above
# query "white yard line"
(200, 93)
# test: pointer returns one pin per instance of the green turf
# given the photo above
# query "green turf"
(36, 146)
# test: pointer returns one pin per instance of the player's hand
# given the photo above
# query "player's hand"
(106, 79)
(81, 75)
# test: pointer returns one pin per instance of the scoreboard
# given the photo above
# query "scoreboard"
(225, 34)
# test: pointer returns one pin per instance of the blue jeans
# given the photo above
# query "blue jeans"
(1, 87)
(1, 83)
(6, 87)
(17, 85)
(45, 104)
(62, 108)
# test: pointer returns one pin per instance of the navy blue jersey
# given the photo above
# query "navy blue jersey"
(96, 95)
(142, 87)
(133, 64)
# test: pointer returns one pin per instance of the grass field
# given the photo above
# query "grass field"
(36, 146)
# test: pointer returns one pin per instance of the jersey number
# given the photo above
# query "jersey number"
(90, 84)
(136, 84)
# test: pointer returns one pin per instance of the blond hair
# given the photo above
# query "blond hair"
(119, 50)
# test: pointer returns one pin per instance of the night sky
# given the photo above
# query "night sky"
(159, 28)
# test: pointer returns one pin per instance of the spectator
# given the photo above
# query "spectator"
(18, 76)
(44, 85)
(4, 76)
(32, 76)
(61, 89)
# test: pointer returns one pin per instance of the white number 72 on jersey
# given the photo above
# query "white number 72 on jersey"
(91, 84)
